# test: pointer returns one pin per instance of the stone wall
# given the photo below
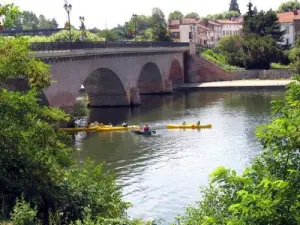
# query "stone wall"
(201, 70)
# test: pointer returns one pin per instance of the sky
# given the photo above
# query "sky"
(109, 13)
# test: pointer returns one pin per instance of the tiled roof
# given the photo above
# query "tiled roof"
(288, 17)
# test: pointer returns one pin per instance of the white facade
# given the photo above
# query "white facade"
(231, 29)
(289, 36)
(187, 33)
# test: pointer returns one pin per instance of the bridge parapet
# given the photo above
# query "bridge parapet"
(70, 46)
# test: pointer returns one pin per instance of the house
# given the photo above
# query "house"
(289, 22)
(186, 29)
(231, 27)
(208, 33)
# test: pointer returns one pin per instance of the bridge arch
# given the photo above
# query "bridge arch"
(150, 80)
(176, 72)
(104, 88)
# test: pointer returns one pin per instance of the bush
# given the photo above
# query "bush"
(280, 66)
(23, 214)
(218, 59)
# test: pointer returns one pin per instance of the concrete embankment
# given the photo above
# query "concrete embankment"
(234, 85)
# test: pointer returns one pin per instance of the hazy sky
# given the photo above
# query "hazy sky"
(109, 13)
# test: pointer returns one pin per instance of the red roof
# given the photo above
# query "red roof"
(288, 17)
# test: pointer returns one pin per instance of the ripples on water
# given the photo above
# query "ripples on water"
(161, 174)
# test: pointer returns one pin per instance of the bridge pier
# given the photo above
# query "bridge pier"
(134, 96)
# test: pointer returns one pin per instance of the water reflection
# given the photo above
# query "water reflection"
(161, 174)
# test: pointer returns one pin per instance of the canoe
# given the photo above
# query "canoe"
(108, 129)
(140, 132)
(188, 126)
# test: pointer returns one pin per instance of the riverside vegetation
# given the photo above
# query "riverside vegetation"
(41, 184)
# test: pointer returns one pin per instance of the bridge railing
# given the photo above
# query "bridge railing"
(67, 46)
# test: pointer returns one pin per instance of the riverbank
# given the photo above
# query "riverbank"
(234, 85)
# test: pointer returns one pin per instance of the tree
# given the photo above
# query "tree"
(223, 16)
(44, 23)
(192, 15)
(159, 26)
(176, 15)
(289, 6)
(9, 12)
(29, 20)
(262, 23)
(267, 192)
(232, 48)
(54, 23)
(234, 6)
(109, 35)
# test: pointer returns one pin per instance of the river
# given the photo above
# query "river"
(161, 174)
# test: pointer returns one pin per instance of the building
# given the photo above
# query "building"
(289, 23)
(208, 33)
(203, 32)
(231, 27)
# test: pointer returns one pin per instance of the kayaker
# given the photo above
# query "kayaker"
(198, 123)
(71, 123)
(124, 124)
(184, 123)
(88, 125)
(110, 124)
(146, 128)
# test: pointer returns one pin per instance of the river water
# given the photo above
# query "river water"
(161, 174)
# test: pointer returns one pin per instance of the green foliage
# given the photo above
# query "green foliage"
(109, 35)
(262, 24)
(34, 157)
(289, 6)
(234, 6)
(9, 12)
(192, 15)
(63, 36)
(176, 15)
(280, 66)
(159, 26)
(223, 16)
(23, 214)
(231, 48)
(260, 52)
(15, 61)
(219, 59)
(267, 192)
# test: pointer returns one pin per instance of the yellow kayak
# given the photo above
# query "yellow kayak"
(81, 129)
(188, 126)
(107, 128)
(78, 129)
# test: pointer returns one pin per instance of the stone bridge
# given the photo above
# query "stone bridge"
(113, 76)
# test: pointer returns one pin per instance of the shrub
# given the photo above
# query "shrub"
(23, 214)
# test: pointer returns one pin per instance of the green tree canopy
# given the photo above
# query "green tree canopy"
(9, 12)
(192, 15)
(159, 26)
(289, 6)
(176, 15)
(223, 16)
(234, 6)
(262, 23)
(109, 35)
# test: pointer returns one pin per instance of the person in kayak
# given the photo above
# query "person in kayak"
(198, 123)
(124, 124)
(146, 128)
(184, 123)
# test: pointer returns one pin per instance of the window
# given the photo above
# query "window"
(212, 39)
(287, 41)
(287, 29)
(224, 32)
(190, 35)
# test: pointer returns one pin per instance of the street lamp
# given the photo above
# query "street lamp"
(68, 8)
(134, 17)
(82, 28)
(126, 30)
